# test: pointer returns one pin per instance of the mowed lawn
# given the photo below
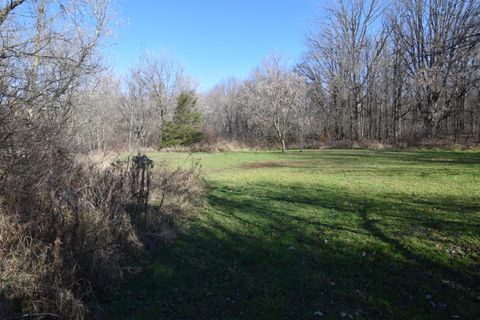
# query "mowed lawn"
(322, 234)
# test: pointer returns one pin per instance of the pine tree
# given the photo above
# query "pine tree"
(185, 128)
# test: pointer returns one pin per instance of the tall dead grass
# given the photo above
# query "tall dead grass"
(73, 232)
(217, 146)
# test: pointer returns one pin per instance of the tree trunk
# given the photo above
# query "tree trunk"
(428, 123)
(284, 148)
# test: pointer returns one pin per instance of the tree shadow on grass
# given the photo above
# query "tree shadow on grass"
(421, 157)
(268, 253)
(376, 162)
(433, 157)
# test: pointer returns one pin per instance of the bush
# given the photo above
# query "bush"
(73, 232)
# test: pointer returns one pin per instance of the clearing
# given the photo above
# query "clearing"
(348, 234)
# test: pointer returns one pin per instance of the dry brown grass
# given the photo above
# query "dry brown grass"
(218, 146)
(73, 232)
(175, 196)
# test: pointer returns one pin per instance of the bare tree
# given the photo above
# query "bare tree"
(278, 94)
(439, 38)
(272, 103)
(152, 86)
(47, 52)
(344, 54)
(98, 116)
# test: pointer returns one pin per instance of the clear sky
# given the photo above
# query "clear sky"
(213, 39)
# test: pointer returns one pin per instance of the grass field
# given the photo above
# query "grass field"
(321, 234)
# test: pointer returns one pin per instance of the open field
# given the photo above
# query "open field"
(322, 234)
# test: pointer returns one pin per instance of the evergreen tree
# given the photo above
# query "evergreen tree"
(185, 128)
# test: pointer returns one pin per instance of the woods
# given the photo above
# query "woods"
(388, 72)
(395, 73)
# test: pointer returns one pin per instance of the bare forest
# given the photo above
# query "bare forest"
(395, 73)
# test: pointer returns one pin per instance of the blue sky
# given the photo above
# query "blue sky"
(213, 39)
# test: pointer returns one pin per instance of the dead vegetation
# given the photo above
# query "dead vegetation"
(74, 231)
(367, 144)
(215, 146)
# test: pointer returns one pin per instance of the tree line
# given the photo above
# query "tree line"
(395, 72)
(392, 72)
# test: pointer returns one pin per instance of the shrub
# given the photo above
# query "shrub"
(73, 232)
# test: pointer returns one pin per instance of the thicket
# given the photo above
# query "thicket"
(73, 230)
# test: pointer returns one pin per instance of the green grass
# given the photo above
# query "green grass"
(358, 234)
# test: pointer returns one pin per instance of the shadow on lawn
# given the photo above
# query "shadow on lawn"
(373, 161)
(434, 157)
(255, 257)
(377, 156)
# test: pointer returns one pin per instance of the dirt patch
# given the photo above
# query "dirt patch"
(272, 164)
